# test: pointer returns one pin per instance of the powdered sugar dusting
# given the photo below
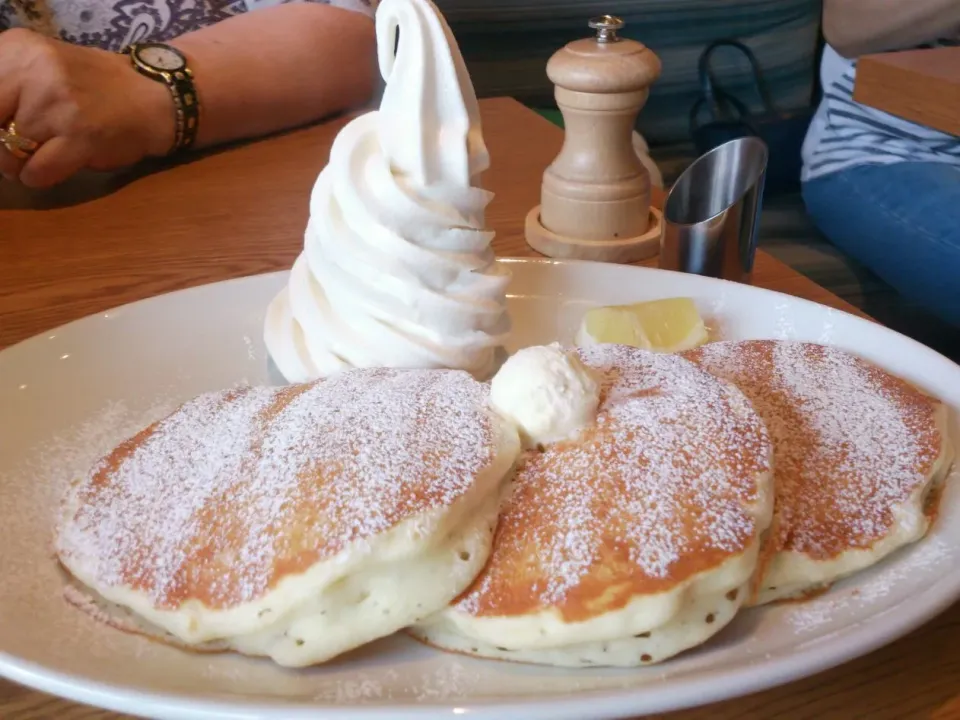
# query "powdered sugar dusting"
(68, 455)
(925, 558)
(851, 440)
(212, 501)
(663, 486)
(39, 480)
(447, 681)
(30, 494)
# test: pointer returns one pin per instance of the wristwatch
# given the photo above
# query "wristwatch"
(164, 63)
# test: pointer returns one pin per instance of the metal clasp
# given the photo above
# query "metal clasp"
(606, 27)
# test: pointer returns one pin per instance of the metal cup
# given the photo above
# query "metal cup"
(711, 217)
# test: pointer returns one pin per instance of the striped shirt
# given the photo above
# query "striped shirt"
(845, 133)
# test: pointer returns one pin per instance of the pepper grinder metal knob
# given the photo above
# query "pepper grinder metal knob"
(606, 27)
(595, 196)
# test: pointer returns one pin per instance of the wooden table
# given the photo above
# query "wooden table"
(242, 211)
(922, 86)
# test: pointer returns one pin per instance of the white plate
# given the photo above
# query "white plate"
(71, 394)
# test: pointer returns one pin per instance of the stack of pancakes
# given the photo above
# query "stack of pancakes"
(301, 522)
(860, 457)
(295, 522)
(634, 541)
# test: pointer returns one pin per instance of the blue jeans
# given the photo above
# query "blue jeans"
(902, 221)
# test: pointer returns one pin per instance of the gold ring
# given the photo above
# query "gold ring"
(17, 145)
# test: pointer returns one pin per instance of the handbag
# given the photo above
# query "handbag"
(728, 118)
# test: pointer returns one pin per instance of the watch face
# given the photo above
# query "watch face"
(160, 57)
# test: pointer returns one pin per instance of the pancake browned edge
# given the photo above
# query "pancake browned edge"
(858, 455)
(125, 620)
(635, 540)
(296, 522)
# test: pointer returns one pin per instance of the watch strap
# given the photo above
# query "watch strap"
(187, 106)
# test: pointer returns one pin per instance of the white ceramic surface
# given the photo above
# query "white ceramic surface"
(70, 394)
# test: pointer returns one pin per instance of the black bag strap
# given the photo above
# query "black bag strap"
(742, 112)
(709, 88)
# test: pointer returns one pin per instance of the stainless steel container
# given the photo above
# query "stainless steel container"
(712, 215)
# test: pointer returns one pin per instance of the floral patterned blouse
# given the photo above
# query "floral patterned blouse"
(114, 24)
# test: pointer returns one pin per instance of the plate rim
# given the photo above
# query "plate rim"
(506, 260)
(511, 260)
(611, 704)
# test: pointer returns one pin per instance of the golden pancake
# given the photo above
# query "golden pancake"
(295, 522)
(857, 451)
(633, 541)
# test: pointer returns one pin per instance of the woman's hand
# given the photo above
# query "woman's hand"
(255, 73)
(87, 108)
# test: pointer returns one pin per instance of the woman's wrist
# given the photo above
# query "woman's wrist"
(156, 116)
(161, 126)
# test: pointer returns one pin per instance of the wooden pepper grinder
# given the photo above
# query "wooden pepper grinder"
(595, 197)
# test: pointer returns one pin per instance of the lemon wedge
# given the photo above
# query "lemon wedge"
(669, 325)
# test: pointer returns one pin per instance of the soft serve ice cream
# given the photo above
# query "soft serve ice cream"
(397, 268)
